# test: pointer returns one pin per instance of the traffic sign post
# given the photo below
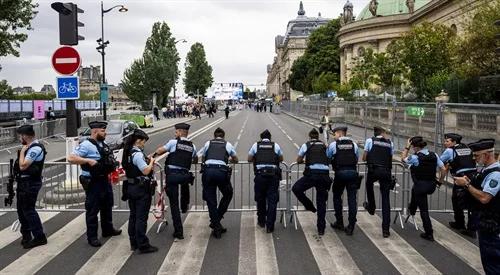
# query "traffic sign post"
(104, 93)
(66, 60)
(68, 87)
(415, 111)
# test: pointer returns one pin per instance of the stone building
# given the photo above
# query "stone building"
(90, 79)
(288, 48)
(377, 25)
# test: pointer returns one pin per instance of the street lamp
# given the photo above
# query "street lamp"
(102, 45)
(175, 106)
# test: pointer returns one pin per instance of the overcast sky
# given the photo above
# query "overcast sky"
(238, 36)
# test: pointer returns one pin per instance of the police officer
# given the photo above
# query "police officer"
(28, 172)
(378, 155)
(460, 162)
(316, 174)
(423, 164)
(266, 156)
(217, 174)
(97, 162)
(181, 154)
(344, 155)
(485, 190)
(140, 187)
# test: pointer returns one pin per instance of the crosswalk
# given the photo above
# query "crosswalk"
(286, 251)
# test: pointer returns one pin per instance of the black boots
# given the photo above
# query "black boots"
(35, 242)
(113, 232)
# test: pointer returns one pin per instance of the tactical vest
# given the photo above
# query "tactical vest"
(34, 171)
(462, 158)
(489, 215)
(380, 154)
(316, 153)
(345, 156)
(217, 150)
(183, 155)
(131, 170)
(106, 164)
(265, 154)
(426, 169)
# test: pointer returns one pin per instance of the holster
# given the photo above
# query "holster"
(393, 183)
(191, 178)
(85, 182)
(358, 182)
(124, 190)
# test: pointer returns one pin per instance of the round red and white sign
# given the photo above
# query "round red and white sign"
(66, 60)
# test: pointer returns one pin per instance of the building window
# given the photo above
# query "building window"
(454, 28)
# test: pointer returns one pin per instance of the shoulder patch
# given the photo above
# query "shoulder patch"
(32, 155)
(493, 183)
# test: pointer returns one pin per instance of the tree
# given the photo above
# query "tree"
(324, 82)
(198, 77)
(300, 78)
(157, 70)
(15, 17)
(6, 91)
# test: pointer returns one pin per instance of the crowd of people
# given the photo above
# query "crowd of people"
(184, 110)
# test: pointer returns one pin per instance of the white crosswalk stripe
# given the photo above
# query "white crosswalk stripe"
(7, 236)
(247, 257)
(265, 252)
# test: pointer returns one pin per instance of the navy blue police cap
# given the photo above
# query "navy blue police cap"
(453, 136)
(98, 124)
(482, 144)
(26, 130)
(182, 126)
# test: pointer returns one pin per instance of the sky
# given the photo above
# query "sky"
(238, 36)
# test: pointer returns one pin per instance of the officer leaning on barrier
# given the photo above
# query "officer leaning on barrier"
(423, 164)
(97, 162)
(485, 189)
(459, 160)
(266, 157)
(217, 174)
(28, 169)
(181, 154)
(378, 155)
(140, 187)
(344, 155)
(316, 174)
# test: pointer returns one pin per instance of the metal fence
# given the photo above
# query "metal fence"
(407, 119)
(62, 192)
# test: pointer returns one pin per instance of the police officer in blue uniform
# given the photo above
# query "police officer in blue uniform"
(266, 156)
(140, 187)
(28, 171)
(216, 155)
(344, 155)
(316, 174)
(459, 160)
(378, 155)
(423, 164)
(181, 154)
(485, 189)
(97, 162)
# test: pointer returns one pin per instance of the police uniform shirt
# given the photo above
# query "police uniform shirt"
(34, 153)
(87, 150)
(316, 166)
(369, 145)
(229, 149)
(253, 151)
(491, 184)
(138, 159)
(413, 159)
(448, 156)
(170, 147)
(332, 149)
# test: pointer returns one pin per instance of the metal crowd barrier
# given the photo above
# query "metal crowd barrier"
(63, 193)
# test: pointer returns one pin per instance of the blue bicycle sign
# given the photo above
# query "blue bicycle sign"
(68, 87)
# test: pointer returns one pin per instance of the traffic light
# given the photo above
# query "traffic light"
(68, 23)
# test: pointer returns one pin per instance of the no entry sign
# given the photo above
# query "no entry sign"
(66, 60)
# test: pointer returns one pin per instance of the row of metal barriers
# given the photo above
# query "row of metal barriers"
(62, 192)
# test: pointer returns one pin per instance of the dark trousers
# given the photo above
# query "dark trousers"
(227, 115)
(322, 184)
(267, 197)
(28, 217)
(212, 179)
(345, 179)
(489, 248)
(418, 200)
(175, 179)
(139, 203)
(383, 176)
(99, 199)
(458, 206)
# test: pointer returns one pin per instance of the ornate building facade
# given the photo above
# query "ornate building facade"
(382, 21)
(288, 48)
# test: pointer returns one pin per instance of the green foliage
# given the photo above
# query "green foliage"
(36, 96)
(300, 78)
(6, 91)
(15, 17)
(157, 70)
(324, 82)
(198, 73)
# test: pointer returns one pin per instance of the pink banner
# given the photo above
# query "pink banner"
(38, 109)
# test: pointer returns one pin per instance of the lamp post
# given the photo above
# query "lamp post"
(175, 106)
(102, 45)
